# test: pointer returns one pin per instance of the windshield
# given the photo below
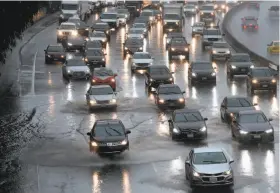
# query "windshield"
(122, 11)
(75, 63)
(159, 71)
(108, 16)
(142, 56)
(252, 118)
(178, 42)
(101, 91)
(74, 20)
(69, 6)
(171, 16)
(65, 26)
(212, 32)
(207, 8)
(242, 102)
(133, 42)
(147, 13)
(109, 130)
(94, 53)
(103, 73)
(140, 25)
(188, 117)
(202, 66)
(190, 6)
(240, 58)
(121, 15)
(209, 158)
(220, 45)
(135, 31)
(261, 73)
(170, 90)
(55, 49)
(98, 35)
(198, 24)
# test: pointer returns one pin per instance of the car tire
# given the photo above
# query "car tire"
(173, 138)
(203, 47)
(58, 40)
(169, 57)
(132, 71)
(252, 90)
(47, 61)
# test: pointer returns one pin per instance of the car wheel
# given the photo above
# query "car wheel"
(132, 71)
(222, 118)
(252, 90)
(47, 61)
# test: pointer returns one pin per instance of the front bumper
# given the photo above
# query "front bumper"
(188, 135)
(109, 149)
(205, 181)
(264, 86)
(140, 67)
(172, 28)
(239, 70)
(61, 58)
(179, 52)
(220, 55)
(261, 138)
(103, 105)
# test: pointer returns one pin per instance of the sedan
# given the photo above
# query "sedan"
(209, 166)
(187, 124)
(169, 95)
(253, 126)
(220, 50)
(141, 61)
(136, 33)
(100, 96)
(99, 36)
(74, 43)
(104, 76)
(54, 53)
(75, 69)
(201, 72)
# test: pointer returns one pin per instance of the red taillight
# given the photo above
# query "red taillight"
(93, 80)
(250, 24)
(244, 27)
(256, 27)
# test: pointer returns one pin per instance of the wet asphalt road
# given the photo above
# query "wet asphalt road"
(59, 161)
(257, 40)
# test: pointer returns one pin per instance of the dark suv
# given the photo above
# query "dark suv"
(108, 136)
(74, 43)
(95, 58)
(132, 45)
(201, 72)
(178, 46)
(54, 53)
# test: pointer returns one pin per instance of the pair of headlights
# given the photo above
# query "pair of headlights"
(175, 130)
(93, 101)
(195, 74)
(181, 100)
(95, 144)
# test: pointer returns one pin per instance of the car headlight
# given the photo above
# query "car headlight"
(181, 100)
(161, 101)
(113, 101)
(214, 52)
(87, 71)
(69, 71)
(165, 23)
(103, 40)
(186, 49)
(126, 48)
(93, 81)
(69, 44)
(49, 56)
(213, 74)
(243, 132)
(145, 30)
(228, 172)
(252, 66)
(193, 74)
(92, 102)
(201, 13)
(113, 80)
(172, 49)
(215, 6)
(177, 23)
(228, 52)
(273, 80)
(62, 56)
(195, 174)
(269, 131)
(212, 13)
(94, 144)
(223, 6)
(193, 9)
(231, 114)
(74, 33)
(175, 130)
(254, 81)
(124, 142)
(140, 48)
(86, 59)
(203, 129)
(107, 31)
(103, 59)
(233, 67)
(170, 79)
(142, 36)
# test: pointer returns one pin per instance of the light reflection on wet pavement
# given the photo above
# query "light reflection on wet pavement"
(60, 160)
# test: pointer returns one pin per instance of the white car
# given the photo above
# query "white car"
(136, 33)
(99, 96)
(75, 69)
(66, 29)
(111, 18)
(197, 28)
(141, 61)
(220, 50)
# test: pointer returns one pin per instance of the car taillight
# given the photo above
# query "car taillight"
(113, 80)
(245, 27)
(93, 80)
(256, 27)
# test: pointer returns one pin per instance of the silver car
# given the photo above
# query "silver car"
(75, 69)
(220, 50)
(209, 167)
(141, 61)
(197, 28)
(99, 96)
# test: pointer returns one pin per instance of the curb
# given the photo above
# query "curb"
(238, 46)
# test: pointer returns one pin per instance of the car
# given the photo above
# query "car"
(95, 58)
(122, 19)
(220, 50)
(149, 13)
(171, 35)
(100, 36)
(220, 6)
(136, 33)
(261, 78)
(178, 46)
(250, 22)
(132, 45)
(190, 10)
(252, 125)
(207, 13)
(125, 12)
(54, 53)
(273, 47)
(201, 72)
(74, 43)
(108, 137)
(156, 75)
(94, 45)
(197, 28)
(252, 4)
(141, 61)
(209, 166)
(211, 35)
(238, 64)
(274, 9)
(172, 23)
(82, 27)
(169, 96)
(104, 76)
(231, 105)
(102, 26)
(64, 17)
(75, 69)
(66, 30)
(187, 124)
(111, 18)
(101, 96)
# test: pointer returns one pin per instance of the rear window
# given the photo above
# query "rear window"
(241, 102)
(103, 73)
(55, 49)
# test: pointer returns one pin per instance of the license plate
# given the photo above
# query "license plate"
(204, 78)
(190, 135)
(109, 144)
(265, 86)
(257, 136)
(243, 70)
(213, 179)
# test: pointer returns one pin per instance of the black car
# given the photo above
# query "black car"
(261, 78)
(54, 53)
(171, 35)
(108, 137)
(239, 64)
(253, 126)
(132, 45)
(169, 95)
(187, 124)
(74, 43)
(178, 46)
(94, 45)
(100, 36)
(158, 74)
(250, 22)
(201, 72)
(95, 58)
(102, 26)
(82, 27)
(232, 105)
(64, 17)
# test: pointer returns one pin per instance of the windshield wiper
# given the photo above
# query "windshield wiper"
(171, 93)
(107, 132)
(114, 130)
(212, 162)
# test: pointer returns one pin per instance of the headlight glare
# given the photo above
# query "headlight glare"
(269, 131)
(181, 100)
(113, 100)
(203, 129)
(195, 174)
(243, 132)
(175, 130)
(252, 66)
(69, 44)
(161, 101)
(124, 142)
(92, 102)
(193, 74)
(227, 172)
(213, 74)
(273, 80)
(94, 144)
(233, 67)
(254, 81)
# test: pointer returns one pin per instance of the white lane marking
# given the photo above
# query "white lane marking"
(38, 179)
(33, 74)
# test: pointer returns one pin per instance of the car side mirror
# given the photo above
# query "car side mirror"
(45, 50)
(169, 121)
(231, 161)
(127, 132)
(205, 119)
(270, 119)
(183, 92)
(115, 75)
(255, 104)
(88, 133)
(188, 162)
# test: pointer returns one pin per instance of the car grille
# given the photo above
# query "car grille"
(206, 179)
(264, 81)
(79, 74)
(94, 61)
(256, 132)
(213, 39)
(103, 102)
(221, 52)
(243, 69)
(188, 131)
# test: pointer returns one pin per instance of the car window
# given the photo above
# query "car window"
(75, 63)
(103, 73)
(240, 58)
(142, 56)
(238, 102)
(209, 158)
(212, 32)
(252, 118)
(101, 91)
(178, 42)
(207, 7)
(55, 49)
(261, 73)
(188, 117)
(198, 24)
(103, 130)
(171, 16)
(169, 90)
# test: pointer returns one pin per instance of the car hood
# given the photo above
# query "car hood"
(237, 109)
(197, 28)
(109, 138)
(69, 11)
(264, 78)
(190, 125)
(255, 126)
(206, 71)
(94, 57)
(212, 168)
(207, 11)
(103, 77)
(102, 97)
(205, 36)
(161, 76)
(77, 68)
(142, 61)
(220, 49)
(244, 64)
(170, 96)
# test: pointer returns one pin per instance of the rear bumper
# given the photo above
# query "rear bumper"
(198, 182)
(107, 105)
(239, 71)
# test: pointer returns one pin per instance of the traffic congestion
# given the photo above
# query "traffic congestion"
(155, 81)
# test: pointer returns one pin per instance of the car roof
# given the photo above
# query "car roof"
(246, 112)
(168, 85)
(237, 97)
(240, 54)
(141, 53)
(106, 121)
(207, 149)
(68, 23)
(186, 110)
(100, 86)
